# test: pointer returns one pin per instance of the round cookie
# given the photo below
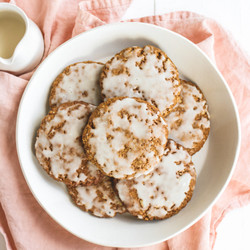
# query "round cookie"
(125, 137)
(146, 73)
(101, 200)
(77, 82)
(59, 147)
(189, 122)
(164, 191)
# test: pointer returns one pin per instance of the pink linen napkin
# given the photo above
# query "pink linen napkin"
(24, 224)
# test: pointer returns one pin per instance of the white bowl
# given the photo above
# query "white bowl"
(214, 163)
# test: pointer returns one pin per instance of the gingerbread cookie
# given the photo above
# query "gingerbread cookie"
(125, 137)
(189, 122)
(77, 82)
(101, 200)
(146, 73)
(59, 147)
(164, 191)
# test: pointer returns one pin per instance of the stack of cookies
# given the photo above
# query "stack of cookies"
(121, 135)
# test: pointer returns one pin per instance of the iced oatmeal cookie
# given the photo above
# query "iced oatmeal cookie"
(77, 82)
(59, 147)
(163, 192)
(101, 200)
(146, 73)
(189, 122)
(125, 137)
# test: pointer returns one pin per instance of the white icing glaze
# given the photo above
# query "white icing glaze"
(88, 196)
(106, 150)
(66, 155)
(146, 83)
(162, 190)
(81, 84)
(186, 134)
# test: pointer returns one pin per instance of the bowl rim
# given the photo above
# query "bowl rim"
(237, 151)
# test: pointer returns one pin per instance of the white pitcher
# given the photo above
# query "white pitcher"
(21, 41)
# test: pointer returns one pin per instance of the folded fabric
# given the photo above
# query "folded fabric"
(24, 224)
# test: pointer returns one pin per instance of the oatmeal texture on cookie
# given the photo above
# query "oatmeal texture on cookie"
(146, 73)
(189, 122)
(101, 200)
(59, 146)
(164, 191)
(125, 137)
(78, 82)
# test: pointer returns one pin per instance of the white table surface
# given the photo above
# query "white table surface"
(234, 231)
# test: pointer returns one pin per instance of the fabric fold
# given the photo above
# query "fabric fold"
(5, 231)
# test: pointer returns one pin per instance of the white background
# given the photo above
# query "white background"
(234, 15)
